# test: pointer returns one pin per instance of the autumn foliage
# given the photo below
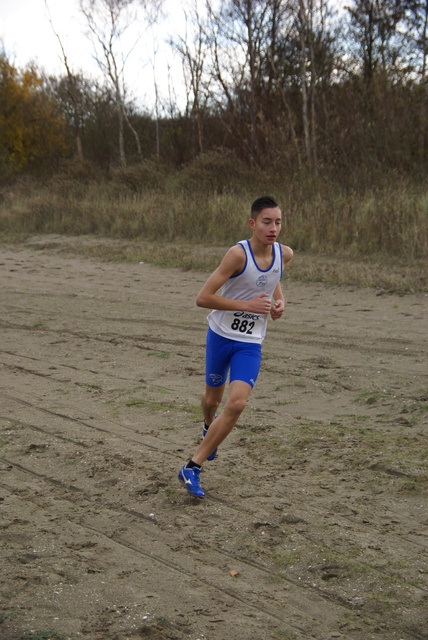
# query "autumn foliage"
(33, 132)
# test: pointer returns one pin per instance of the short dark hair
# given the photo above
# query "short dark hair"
(264, 202)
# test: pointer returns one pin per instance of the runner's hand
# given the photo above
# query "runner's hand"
(260, 304)
(277, 309)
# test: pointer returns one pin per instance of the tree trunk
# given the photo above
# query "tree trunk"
(134, 133)
(423, 104)
(120, 119)
(305, 98)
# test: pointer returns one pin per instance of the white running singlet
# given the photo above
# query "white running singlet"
(245, 326)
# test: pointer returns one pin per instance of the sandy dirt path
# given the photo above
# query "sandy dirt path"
(315, 523)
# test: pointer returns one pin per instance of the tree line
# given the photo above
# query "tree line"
(286, 86)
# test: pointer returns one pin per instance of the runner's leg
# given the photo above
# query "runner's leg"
(220, 428)
(210, 401)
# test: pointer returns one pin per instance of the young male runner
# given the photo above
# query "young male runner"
(249, 278)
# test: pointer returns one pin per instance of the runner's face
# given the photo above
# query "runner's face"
(267, 226)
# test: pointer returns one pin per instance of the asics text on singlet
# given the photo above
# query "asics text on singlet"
(245, 326)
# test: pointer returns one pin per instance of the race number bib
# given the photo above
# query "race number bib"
(243, 324)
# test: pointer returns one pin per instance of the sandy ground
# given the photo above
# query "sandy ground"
(315, 523)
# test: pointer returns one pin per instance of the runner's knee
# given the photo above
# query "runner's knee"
(236, 405)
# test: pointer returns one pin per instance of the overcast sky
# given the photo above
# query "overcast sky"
(27, 35)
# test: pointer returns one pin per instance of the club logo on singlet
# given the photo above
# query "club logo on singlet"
(261, 281)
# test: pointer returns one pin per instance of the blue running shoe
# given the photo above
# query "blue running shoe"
(204, 433)
(190, 479)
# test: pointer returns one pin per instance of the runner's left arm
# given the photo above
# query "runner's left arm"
(278, 303)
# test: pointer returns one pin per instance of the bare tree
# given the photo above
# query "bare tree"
(73, 90)
(239, 32)
(108, 21)
(373, 29)
(155, 86)
(308, 74)
(193, 52)
(316, 59)
(416, 22)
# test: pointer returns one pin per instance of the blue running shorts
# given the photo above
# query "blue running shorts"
(243, 359)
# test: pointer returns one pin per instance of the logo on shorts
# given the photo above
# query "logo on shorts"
(216, 379)
(261, 281)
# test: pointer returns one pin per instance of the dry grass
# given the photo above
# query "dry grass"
(376, 238)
